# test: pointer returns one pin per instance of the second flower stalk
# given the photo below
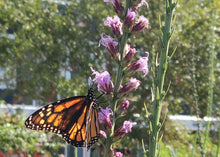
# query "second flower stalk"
(123, 55)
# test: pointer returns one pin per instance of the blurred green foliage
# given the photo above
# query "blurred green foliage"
(15, 137)
(177, 141)
(182, 142)
(193, 40)
(51, 41)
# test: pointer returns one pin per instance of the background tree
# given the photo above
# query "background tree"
(51, 41)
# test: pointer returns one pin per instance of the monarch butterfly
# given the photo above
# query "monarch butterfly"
(75, 118)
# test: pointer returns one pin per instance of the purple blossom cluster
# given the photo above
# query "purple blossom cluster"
(103, 80)
(126, 21)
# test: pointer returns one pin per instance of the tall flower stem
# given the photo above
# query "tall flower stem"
(119, 77)
(159, 79)
(123, 24)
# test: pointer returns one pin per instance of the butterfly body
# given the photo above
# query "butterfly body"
(75, 118)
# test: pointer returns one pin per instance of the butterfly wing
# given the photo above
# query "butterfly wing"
(92, 126)
(66, 117)
(75, 118)
(86, 132)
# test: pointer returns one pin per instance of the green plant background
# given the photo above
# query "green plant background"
(14, 136)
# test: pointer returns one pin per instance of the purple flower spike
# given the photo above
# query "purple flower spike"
(115, 24)
(110, 44)
(124, 105)
(142, 23)
(103, 79)
(126, 128)
(118, 154)
(117, 6)
(104, 117)
(131, 85)
(129, 20)
(140, 65)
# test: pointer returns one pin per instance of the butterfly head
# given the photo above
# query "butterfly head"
(91, 90)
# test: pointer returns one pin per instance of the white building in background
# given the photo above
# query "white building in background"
(191, 122)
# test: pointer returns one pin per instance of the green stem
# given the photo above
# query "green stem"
(198, 139)
(119, 78)
(159, 80)
(107, 147)
(211, 73)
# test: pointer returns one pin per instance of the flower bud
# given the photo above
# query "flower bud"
(129, 20)
(115, 24)
(124, 105)
(104, 117)
(139, 4)
(140, 65)
(110, 44)
(131, 85)
(103, 80)
(102, 133)
(123, 130)
(119, 9)
(118, 154)
(142, 23)
(130, 55)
